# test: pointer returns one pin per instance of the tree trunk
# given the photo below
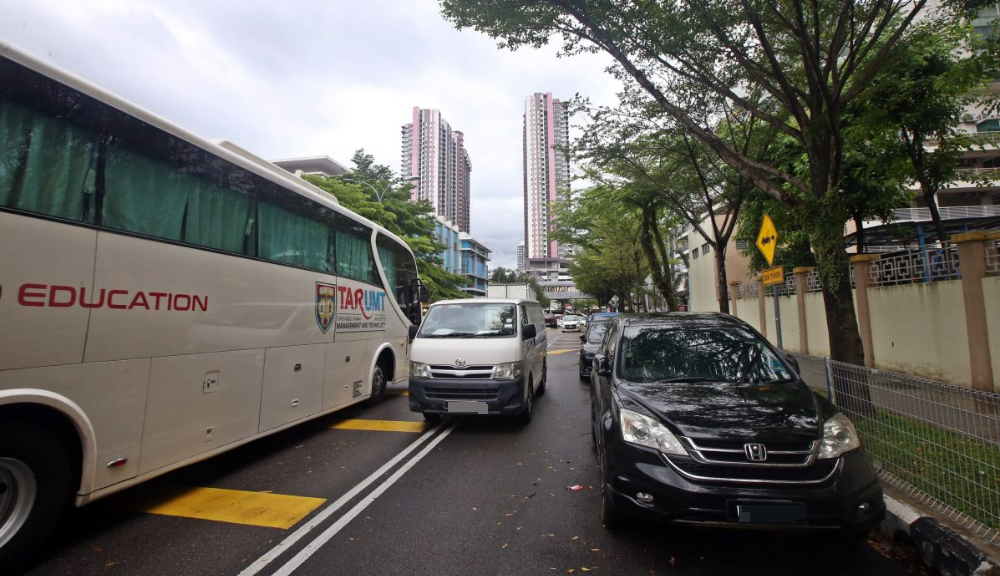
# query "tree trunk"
(860, 224)
(929, 192)
(662, 282)
(720, 275)
(825, 222)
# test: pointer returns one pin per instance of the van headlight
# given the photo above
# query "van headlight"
(420, 370)
(508, 371)
(839, 437)
(645, 431)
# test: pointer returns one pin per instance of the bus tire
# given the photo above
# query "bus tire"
(35, 487)
(378, 383)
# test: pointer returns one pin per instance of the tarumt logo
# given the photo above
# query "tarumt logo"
(359, 300)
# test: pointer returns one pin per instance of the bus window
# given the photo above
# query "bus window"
(47, 165)
(354, 251)
(401, 273)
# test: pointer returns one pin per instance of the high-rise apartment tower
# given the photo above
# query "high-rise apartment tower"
(435, 159)
(546, 171)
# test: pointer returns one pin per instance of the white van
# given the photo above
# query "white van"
(478, 356)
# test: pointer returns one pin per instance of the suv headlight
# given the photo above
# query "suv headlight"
(645, 431)
(507, 371)
(420, 370)
(839, 437)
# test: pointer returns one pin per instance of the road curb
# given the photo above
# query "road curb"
(944, 550)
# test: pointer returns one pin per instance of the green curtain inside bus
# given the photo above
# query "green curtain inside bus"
(143, 195)
(150, 197)
(285, 236)
(354, 256)
(217, 217)
(46, 165)
(389, 266)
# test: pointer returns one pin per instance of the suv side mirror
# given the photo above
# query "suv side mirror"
(413, 331)
(601, 365)
(528, 331)
(794, 363)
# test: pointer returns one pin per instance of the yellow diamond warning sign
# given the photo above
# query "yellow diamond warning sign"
(767, 239)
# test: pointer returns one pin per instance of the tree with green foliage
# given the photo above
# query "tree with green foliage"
(501, 275)
(811, 60)
(915, 107)
(412, 221)
(608, 261)
(665, 168)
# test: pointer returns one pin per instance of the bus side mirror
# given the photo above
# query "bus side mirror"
(422, 293)
(413, 331)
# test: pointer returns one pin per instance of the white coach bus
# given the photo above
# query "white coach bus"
(163, 300)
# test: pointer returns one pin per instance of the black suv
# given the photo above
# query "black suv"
(590, 342)
(697, 417)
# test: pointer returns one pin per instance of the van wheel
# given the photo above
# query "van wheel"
(529, 405)
(545, 372)
(34, 488)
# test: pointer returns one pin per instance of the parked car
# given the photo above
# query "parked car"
(696, 417)
(478, 356)
(571, 323)
(591, 341)
(551, 321)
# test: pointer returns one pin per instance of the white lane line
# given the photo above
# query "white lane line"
(551, 342)
(294, 537)
(332, 531)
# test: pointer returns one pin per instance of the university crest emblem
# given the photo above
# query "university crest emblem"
(325, 310)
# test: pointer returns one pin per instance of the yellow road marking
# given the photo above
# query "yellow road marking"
(398, 392)
(551, 352)
(381, 425)
(233, 506)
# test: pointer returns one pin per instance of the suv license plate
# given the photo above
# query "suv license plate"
(466, 407)
(771, 513)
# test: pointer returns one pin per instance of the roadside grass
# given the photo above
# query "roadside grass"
(958, 470)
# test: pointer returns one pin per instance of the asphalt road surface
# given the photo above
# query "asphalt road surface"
(375, 491)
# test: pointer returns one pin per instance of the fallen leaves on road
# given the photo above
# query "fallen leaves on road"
(574, 487)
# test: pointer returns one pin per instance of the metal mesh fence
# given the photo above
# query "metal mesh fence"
(939, 443)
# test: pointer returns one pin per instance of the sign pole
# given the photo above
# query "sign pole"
(777, 315)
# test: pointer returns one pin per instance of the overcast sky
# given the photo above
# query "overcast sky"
(295, 78)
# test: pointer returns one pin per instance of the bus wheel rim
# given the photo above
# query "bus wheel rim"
(18, 489)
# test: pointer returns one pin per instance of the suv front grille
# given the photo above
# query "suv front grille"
(733, 453)
(818, 473)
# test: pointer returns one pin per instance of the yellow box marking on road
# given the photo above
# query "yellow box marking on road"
(233, 506)
(381, 425)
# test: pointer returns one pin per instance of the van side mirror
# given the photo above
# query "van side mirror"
(583, 337)
(413, 331)
(528, 331)
(602, 365)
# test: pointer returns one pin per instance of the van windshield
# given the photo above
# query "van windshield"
(472, 320)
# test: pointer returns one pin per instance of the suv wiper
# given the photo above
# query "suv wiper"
(692, 379)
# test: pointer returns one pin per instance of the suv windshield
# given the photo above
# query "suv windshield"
(658, 354)
(472, 320)
(595, 333)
